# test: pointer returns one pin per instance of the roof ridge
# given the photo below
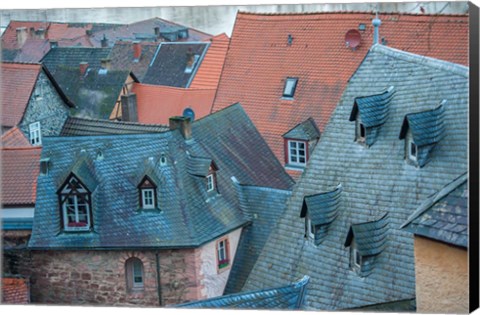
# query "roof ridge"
(347, 12)
(131, 123)
(21, 148)
(424, 60)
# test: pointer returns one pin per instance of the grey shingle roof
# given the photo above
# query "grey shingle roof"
(290, 297)
(306, 130)
(263, 206)
(122, 57)
(73, 56)
(374, 180)
(444, 215)
(75, 126)
(188, 216)
(169, 63)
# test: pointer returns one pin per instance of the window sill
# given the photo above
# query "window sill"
(223, 269)
(297, 168)
(149, 210)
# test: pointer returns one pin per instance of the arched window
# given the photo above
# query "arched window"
(134, 274)
(75, 205)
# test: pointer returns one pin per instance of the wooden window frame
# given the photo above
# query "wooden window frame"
(75, 195)
(289, 148)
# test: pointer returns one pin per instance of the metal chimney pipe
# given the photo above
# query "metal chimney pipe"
(376, 22)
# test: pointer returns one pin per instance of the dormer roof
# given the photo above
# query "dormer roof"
(322, 208)
(370, 237)
(200, 166)
(306, 130)
(373, 109)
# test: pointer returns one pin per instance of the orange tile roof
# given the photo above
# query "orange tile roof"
(20, 169)
(259, 60)
(14, 138)
(208, 73)
(156, 104)
(16, 86)
(15, 291)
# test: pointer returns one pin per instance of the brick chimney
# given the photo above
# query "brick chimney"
(129, 107)
(183, 124)
(137, 50)
(40, 33)
(106, 63)
(22, 34)
(83, 68)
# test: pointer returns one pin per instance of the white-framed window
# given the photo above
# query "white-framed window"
(191, 64)
(355, 257)
(134, 274)
(297, 153)
(361, 131)
(310, 228)
(148, 198)
(210, 182)
(412, 150)
(35, 133)
(289, 88)
(75, 206)
(223, 259)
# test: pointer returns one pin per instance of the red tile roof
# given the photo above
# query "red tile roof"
(259, 60)
(20, 169)
(156, 104)
(208, 73)
(33, 50)
(15, 291)
(16, 86)
(14, 138)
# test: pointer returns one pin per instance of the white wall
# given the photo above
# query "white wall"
(214, 281)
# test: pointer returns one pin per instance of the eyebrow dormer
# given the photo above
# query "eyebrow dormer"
(369, 114)
(366, 241)
(422, 131)
(319, 211)
(204, 167)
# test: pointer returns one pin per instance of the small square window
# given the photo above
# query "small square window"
(35, 133)
(297, 153)
(289, 88)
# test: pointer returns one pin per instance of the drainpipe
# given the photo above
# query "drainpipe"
(159, 286)
(376, 22)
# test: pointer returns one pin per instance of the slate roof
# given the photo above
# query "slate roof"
(156, 104)
(72, 57)
(144, 31)
(75, 126)
(14, 138)
(95, 93)
(259, 60)
(121, 56)
(444, 215)
(290, 297)
(169, 63)
(306, 130)
(263, 206)
(20, 168)
(188, 216)
(375, 180)
(17, 84)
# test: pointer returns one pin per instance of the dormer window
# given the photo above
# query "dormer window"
(298, 141)
(355, 257)
(289, 88)
(361, 132)
(75, 204)
(309, 228)
(147, 191)
(211, 180)
(297, 153)
(412, 153)
(35, 133)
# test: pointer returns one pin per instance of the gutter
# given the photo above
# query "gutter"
(159, 285)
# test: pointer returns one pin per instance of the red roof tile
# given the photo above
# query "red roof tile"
(156, 104)
(259, 60)
(16, 86)
(14, 138)
(208, 74)
(20, 169)
(33, 50)
(15, 291)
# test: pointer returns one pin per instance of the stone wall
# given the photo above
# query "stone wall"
(441, 273)
(45, 105)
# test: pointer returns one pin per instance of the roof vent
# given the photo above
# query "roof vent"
(289, 40)
(376, 22)
(362, 27)
(353, 39)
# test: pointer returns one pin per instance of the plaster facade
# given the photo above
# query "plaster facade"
(441, 272)
(45, 106)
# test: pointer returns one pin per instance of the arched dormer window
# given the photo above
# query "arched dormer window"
(75, 205)
(148, 192)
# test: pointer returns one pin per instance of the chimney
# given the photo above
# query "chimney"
(156, 29)
(22, 34)
(83, 68)
(106, 63)
(104, 42)
(376, 22)
(183, 124)
(129, 107)
(40, 33)
(88, 32)
(137, 50)
(53, 44)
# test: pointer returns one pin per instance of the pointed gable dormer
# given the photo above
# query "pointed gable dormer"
(370, 113)
(366, 241)
(422, 131)
(319, 211)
